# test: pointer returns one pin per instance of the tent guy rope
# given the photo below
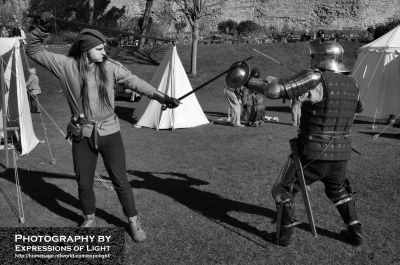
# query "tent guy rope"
(391, 123)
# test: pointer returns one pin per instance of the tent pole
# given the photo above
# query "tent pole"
(3, 92)
(373, 125)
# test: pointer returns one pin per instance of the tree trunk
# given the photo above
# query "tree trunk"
(195, 42)
(143, 29)
(91, 12)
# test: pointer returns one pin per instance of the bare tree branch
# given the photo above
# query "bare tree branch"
(219, 3)
(193, 11)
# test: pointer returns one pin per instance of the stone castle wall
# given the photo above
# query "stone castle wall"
(295, 14)
(292, 14)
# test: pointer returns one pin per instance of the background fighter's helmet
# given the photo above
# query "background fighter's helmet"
(327, 55)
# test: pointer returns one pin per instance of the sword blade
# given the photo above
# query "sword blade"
(275, 60)
(211, 80)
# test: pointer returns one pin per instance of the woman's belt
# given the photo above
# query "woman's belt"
(98, 123)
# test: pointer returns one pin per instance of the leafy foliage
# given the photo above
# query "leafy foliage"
(247, 26)
(140, 23)
(382, 30)
(228, 26)
(8, 16)
(180, 26)
(157, 29)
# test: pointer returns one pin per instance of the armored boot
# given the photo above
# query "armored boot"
(90, 221)
(356, 234)
(285, 224)
(137, 232)
(346, 206)
(284, 196)
(349, 215)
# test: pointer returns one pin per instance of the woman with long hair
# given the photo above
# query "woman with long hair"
(87, 78)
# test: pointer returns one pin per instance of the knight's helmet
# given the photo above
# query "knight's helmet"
(327, 55)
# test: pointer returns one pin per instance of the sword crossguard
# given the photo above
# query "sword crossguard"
(164, 107)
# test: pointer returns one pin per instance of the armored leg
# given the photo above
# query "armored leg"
(285, 205)
(285, 222)
(344, 202)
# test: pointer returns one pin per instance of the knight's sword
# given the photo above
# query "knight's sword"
(206, 83)
(284, 65)
(211, 80)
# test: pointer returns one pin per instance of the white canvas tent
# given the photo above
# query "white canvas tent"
(170, 78)
(377, 71)
(18, 116)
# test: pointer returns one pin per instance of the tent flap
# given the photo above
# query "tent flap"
(377, 71)
(17, 104)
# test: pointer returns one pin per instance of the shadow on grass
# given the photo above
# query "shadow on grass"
(212, 206)
(284, 109)
(222, 123)
(52, 197)
(180, 187)
(362, 122)
(383, 135)
(149, 56)
(216, 114)
(276, 122)
(226, 123)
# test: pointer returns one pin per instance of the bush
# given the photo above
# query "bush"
(285, 28)
(366, 38)
(383, 29)
(8, 17)
(227, 27)
(53, 39)
(157, 29)
(180, 26)
(68, 37)
(149, 25)
(246, 27)
(64, 38)
(272, 29)
(205, 27)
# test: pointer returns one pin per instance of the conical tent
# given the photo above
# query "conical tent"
(377, 70)
(170, 78)
(16, 100)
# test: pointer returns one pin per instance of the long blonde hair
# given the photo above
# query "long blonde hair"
(100, 77)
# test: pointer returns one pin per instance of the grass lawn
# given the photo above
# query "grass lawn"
(203, 194)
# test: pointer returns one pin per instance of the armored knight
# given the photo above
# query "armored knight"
(330, 100)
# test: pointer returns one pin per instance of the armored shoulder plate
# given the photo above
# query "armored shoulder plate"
(302, 82)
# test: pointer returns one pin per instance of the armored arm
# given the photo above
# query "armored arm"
(270, 90)
(302, 83)
(294, 87)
